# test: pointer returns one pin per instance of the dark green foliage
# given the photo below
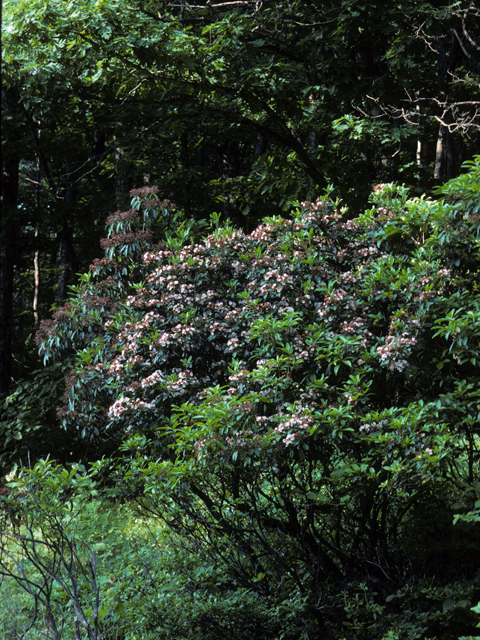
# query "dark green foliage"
(300, 407)
(29, 427)
(238, 108)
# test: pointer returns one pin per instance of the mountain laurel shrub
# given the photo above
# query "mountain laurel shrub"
(300, 405)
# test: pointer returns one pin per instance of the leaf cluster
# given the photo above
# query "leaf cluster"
(300, 404)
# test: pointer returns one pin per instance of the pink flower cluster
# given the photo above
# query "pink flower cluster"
(402, 336)
(324, 309)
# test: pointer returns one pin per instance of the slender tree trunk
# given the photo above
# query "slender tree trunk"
(440, 153)
(419, 152)
(123, 182)
(62, 267)
(36, 257)
(66, 259)
(446, 66)
(36, 269)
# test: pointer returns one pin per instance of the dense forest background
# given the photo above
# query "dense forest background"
(254, 411)
(234, 107)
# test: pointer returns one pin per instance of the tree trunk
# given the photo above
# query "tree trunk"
(66, 259)
(123, 182)
(444, 163)
(62, 267)
(36, 257)
(419, 151)
(36, 269)
(440, 153)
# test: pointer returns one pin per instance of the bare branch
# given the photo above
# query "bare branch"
(476, 13)
(462, 116)
(465, 51)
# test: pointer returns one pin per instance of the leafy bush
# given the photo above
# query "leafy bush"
(301, 407)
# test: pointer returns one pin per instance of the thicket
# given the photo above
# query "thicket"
(288, 423)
